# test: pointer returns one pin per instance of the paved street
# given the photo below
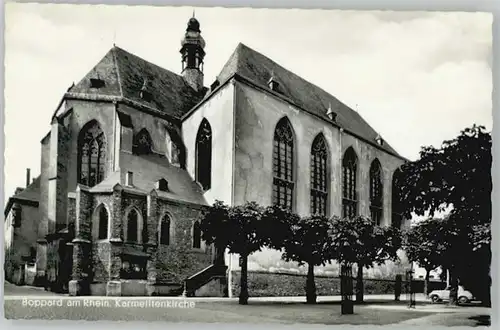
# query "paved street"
(25, 303)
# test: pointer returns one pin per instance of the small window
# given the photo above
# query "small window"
(96, 83)
(103, 223)
(129, 179)
(162, 185)
(196, 235)
(165, 231)
(17, 216)
(133, 227)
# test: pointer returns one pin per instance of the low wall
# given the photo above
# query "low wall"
(168, 289)
(265, 284)
(134, 288)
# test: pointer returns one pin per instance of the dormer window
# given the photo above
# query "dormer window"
(215, 84)
(162, 185)
(273, 84)
(379, 140)
(146, 96)
(145, 93)
(331, 114)
(96, 82)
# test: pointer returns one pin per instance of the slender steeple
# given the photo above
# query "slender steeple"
(193, 54)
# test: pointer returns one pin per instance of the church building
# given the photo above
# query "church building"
(136, 152)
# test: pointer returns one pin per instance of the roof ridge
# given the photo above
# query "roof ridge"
(293, 73)
(146, 61)
(254, 65)
(117, 68)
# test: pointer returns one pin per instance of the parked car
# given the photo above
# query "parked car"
(464, 296)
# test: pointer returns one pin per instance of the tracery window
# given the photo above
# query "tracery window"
(196, 235)
(204, 155)
(143, 144)
(133, 226)
(349, 188)
(376, 192)
(165, 230)
(319, 181)
(397, 210)
(103, 225)
(91, 155)
(283, 163)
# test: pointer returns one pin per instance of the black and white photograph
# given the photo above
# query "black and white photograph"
(247, 165)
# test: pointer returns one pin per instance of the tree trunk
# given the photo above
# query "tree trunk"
(426, 282)
(243, 300)
(310, 285)
(453, 288)
(346, 306)
(359, 285)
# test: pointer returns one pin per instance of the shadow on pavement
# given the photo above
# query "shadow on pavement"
(481, 320)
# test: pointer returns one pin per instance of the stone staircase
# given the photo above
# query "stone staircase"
(211, 281)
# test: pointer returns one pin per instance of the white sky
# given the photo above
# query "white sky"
(418, 78)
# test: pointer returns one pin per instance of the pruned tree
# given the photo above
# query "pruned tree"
(456, 175)
(276, 226)
(237, 229)
(309, 243)
(424, 244)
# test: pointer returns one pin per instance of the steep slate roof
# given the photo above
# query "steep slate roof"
(258, 68)
(147, 170)
(29, 194)
(124, 75)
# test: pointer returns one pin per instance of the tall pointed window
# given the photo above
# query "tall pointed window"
(204, 155)
(133, 226)
(91, 154)
(165, 230)
(319, 181)
(349, 189)
(196, 235)
(397, 210)
(283, 159)
(142, 143)
(376, 192)
(103, 223)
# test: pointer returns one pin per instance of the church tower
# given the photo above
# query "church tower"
(193, 54)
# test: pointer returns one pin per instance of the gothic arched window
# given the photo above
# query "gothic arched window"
(143, 144)
(165, 230)
(133, 226)
(349, 189)
(196, 235)
(91, 155)
(204, 155)
(319, 181)
(376, 192)
(103, 223)
(397, 210)
(283, 162)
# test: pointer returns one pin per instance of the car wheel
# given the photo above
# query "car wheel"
(463, 300)
(435, 298)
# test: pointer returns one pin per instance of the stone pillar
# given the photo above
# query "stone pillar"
(151, 245)
(387, 195)
(79, 285)
(58, 177)
(41, 249)
(113, 287)
(151, 267)
(82, 245)
(363, 185)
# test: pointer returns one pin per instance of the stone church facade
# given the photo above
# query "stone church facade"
(136, 152)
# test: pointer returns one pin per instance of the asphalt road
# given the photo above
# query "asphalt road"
(35, 303)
